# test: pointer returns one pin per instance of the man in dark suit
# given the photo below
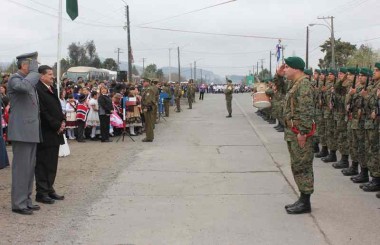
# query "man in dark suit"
(52, 128)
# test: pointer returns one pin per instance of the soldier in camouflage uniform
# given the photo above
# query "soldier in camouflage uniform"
(316, 85)
(321, 122)
(372, 130)
(280, 90)
(275, 103)
(177, 96)
(329, 116)
(148, 102)
(352, 73)
(341, 89)
(228, 93)
(299, 116)
(310, 75)
(358, 126)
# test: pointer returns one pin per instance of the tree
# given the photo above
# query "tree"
(90, 50)
(343, 51)
(110, 64)
(264, 74)
(84, 55)
(96, 62)
(65, 65)
(135, 71)
(160, 74)
(150, 71)
(12, 68)
(364, 57)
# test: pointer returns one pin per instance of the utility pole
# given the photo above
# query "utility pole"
(129, 44)
(307, 47)
(270, 64)
(262, 64)
(143, 59)
(118, 51)
(257, 68)
(195, 71)
(191, 70)
(179, 66)
(170, 68)
(253, 70)
(333, 65)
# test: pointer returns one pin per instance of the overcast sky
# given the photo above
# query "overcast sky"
(31, 25)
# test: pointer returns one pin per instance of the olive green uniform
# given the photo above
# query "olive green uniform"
(228, 93)
(148, 102)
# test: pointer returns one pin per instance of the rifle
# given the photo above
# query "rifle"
(349, 109)
(332, 98)
(367, 82)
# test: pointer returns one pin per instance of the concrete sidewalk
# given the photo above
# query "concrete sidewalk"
(211, 180)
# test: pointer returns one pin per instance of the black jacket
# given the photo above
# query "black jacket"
(106, 103)
(51, 116)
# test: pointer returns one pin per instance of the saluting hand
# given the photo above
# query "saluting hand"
(301, 140)
(281, 70)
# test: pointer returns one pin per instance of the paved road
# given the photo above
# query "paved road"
(211, 180)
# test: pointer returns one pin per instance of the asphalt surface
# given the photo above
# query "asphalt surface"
(207, 179)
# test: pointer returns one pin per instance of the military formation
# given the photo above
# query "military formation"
(336, 110)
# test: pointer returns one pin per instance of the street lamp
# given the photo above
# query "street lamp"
(331, 28)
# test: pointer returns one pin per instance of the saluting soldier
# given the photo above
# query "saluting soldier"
(148, 102)
(299, 118)
(329, 113)
(228, 93)
(372, 131)
(341, 89)
(177, 96)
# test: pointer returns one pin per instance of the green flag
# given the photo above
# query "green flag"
(72, 8)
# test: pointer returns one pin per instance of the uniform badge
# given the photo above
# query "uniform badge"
(147, 94)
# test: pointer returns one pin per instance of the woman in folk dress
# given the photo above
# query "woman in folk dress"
(133, 116)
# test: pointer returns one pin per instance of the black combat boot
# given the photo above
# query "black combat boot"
(378, 195)
(281, 129)
(277, 126)
(352, 170)
(343, 163)
(272, 121)
(372, 186)
(229, 115)
(323, 153)
(315, 147)
(302, 206)
(362, 177)
(330, 158)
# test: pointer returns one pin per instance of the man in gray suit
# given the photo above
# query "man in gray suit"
(24, 131)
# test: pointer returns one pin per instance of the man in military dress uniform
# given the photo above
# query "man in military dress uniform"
(190, 93)
(24, 131)
(299, 117)
(148, 102)
(228, 93)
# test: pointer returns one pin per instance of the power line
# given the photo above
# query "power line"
(214, 34)
(190, 12)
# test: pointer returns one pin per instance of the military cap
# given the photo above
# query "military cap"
(308, 72)
(353, 70)
(229, 81)
(343, 70)
(295, 63)
(324, 72)
(377, 65)
(366, 72)
(333, 71)
(318, 71)
(27, 56)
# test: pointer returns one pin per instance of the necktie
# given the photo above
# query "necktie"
(51, 90)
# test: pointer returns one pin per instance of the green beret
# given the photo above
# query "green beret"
(377, 65)
(333, 71)
(318, 71)
(366, 72)
(325, 72)
(343, 70)
(295, 63)
(308, 72)
(353, 70)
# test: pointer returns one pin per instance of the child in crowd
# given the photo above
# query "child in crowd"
(71, 116)
(82, 111)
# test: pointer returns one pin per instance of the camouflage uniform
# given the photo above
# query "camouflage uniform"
(372, 131)
(320, 120)
(299, 111)
(328, 116)
(341, 90)
(190, 95)
(279, 89)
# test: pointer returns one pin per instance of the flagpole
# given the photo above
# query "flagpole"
(59, 47)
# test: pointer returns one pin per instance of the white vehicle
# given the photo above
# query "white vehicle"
(88, 73)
